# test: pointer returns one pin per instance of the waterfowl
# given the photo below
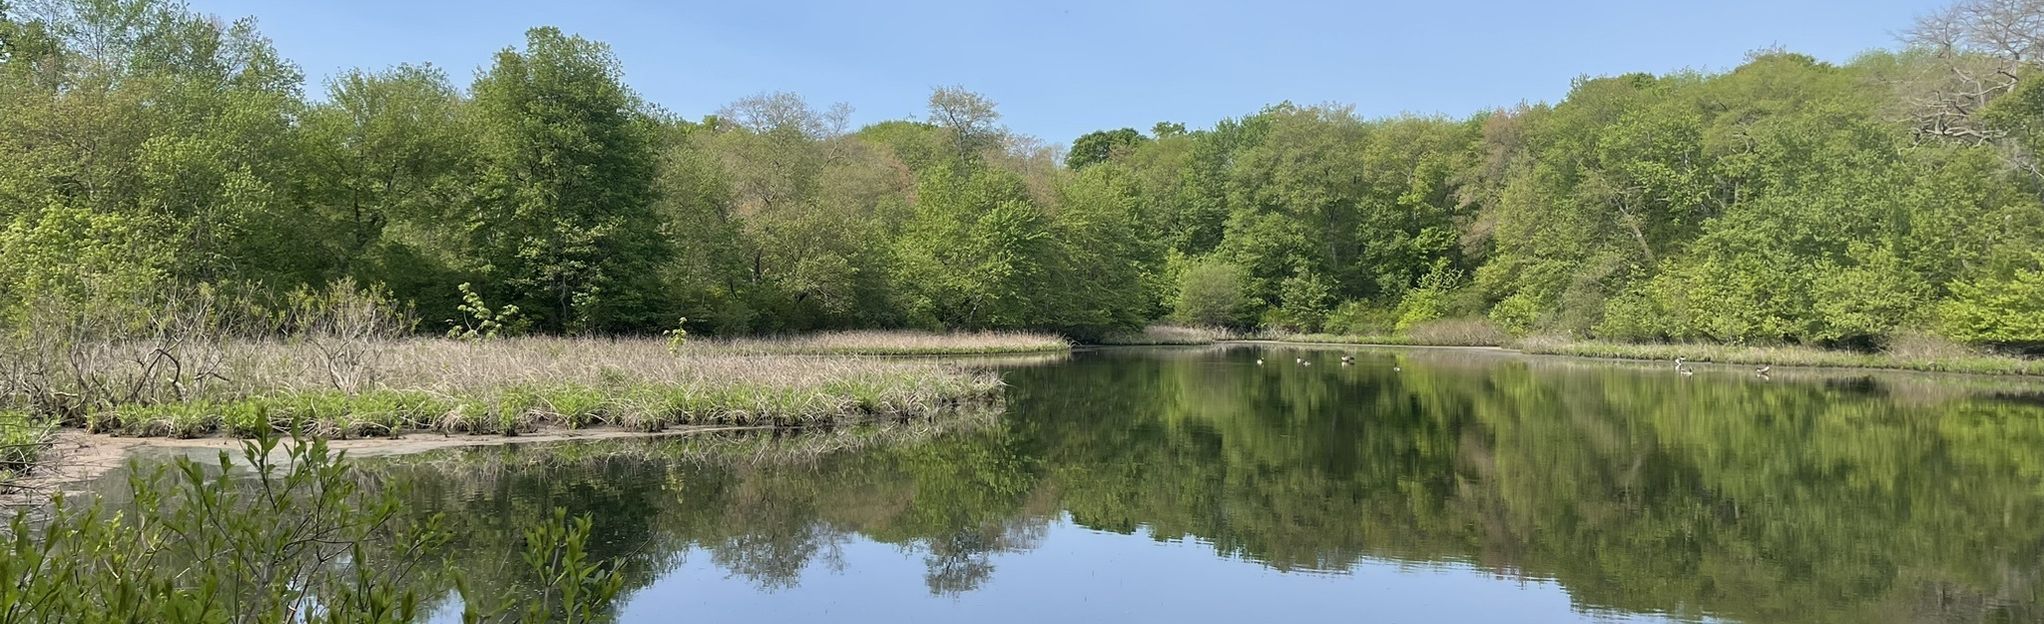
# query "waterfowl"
(1678, 362)
(1259, 361)
(1686, 372)
(1763, 370)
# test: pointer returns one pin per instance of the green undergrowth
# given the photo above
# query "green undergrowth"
(524, 409)
(22, 441)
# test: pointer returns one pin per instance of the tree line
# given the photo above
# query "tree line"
(1788, 200)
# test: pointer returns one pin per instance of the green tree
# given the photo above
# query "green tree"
(565, 187)
(1098, 146)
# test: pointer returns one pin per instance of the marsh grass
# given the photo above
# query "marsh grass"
(520, 385)
(885, 343)
(1164, 335)
(1916, 355)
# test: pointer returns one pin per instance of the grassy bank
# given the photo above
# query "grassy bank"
(1164, 335)
(886, 343)
(519, 385)
(1917, 353)
(1944, 360)
(1439, 333)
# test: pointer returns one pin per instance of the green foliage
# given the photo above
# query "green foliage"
(1099, 146)
(153, 151)
(1429, 300)
(479, 321)
(200, 543)
(2003, 311)
(1211, 292)
(1303, 302)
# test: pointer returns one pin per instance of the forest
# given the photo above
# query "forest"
(152, 152)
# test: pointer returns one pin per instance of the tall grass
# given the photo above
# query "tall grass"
(885, 343)
(520, 385)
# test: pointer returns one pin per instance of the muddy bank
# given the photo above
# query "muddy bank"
(77, 457)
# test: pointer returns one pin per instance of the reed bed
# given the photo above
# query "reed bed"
(521, 385)
(1167, 335)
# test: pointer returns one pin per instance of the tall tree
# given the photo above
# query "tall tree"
(564, 197)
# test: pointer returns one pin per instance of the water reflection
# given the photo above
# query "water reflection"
(1184, 484)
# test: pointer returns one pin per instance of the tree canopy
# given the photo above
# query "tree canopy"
(1788, 200)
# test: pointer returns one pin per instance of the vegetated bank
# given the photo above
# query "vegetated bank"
(338, 384)
(1913, 352)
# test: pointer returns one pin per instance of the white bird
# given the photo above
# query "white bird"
(1686, 372)
(1678, 363)
(1259, 361)
(1762, 370)
(1396, 369)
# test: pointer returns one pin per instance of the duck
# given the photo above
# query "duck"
(1348, 359)
(1678, 362)
(1763, 370)
(1259, 361)
(1686, 372)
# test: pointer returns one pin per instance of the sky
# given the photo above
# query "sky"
(1061, 68)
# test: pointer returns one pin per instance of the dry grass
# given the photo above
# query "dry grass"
(1170, 335)
(524, 384)
(885, 343)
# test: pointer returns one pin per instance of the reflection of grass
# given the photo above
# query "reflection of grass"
(1169, 335)
(1960, 362)
(713, 446)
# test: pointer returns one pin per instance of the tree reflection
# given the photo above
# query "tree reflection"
(1800, 499)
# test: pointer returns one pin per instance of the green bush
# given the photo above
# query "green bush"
(1997, 311)
(355, 553)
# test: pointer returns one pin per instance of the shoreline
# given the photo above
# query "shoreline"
(1707, 355)
(78, 457)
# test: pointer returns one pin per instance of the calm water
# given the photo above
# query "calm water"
(1176, 485)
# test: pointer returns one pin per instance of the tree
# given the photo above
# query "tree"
(968, 117)
(1210, 292)
(1098, 146)
(566, 167)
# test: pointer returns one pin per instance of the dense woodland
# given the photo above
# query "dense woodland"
(151, 152)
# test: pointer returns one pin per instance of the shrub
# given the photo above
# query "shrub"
(1211, 292)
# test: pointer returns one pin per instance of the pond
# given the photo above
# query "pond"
(1416, 485)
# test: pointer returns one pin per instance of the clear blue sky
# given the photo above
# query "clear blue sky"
(1060, 68)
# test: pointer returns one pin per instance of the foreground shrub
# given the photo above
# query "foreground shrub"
(301, 541)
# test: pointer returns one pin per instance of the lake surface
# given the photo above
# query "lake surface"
(1195, 485)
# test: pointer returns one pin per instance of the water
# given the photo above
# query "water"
(1192, 485)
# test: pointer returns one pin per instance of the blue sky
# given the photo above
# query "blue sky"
(1060, 68)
